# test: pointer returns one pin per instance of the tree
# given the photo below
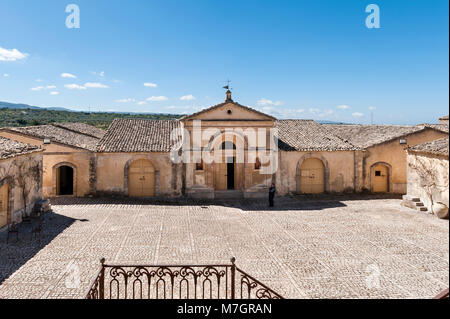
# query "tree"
(429, 177)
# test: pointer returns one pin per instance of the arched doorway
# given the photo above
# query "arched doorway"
(141, 179)
(226, 169)
(311, 179)
(380, 178)
(64, 180)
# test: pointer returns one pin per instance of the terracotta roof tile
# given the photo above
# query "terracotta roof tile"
(82, 128)
(437, 147)
(138, 135)
(59, 134)
(365, 136)
(308, 135)
(10, 148)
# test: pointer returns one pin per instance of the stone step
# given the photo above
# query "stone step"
(411, 198)
(419, 204)
(422, 209)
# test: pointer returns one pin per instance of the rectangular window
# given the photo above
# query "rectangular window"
(199, 166)
(377, 173)
(257, 164)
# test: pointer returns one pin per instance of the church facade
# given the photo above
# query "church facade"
(230, 150)
(225, 151)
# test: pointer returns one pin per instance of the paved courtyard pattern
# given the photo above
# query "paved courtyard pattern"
(349, 248)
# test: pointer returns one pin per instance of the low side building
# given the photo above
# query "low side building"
(314, 161)
(428, 172)
(69, 155)
(133, 159)
(20, 179)
(382, 160)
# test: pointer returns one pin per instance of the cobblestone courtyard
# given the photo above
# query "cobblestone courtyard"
(328, 248)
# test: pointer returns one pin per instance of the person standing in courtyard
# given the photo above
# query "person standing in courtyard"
(271, 194)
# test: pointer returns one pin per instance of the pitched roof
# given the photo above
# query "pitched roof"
(58, 134)
(437, 147)
(439, 127)
(445, 117)
(308, 135)
(82, 128)
(365, 136)
(187, 117)
(138, 135)
(10, 148)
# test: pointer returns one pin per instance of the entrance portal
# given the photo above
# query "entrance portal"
(230, 173)
(65, 181)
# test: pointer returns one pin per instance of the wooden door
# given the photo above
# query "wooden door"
(221, 177)
(141, 179)
(4, 198)
(380, 179)
(312, 177)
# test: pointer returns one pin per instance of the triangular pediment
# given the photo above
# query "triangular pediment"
(229, 111)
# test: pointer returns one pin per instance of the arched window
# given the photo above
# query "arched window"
(227, 145)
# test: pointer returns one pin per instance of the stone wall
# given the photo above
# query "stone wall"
(428, 178)
(112, 173)
(24, 171)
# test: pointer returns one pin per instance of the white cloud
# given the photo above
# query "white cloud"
(68, 76)
(313, 110)
(95, 85)
(74, 87)
(150, 85)
(11, 55)
(5, 75)
(125, 100)
(357, 114)
(41, 88)
(39, 80)
(326, 113)
(372, 108)
(157, 98)
(102, 74)
(142, 103)
(189, 97)
(283, 113)
(265, 102)
(343, 107)
(54, 93)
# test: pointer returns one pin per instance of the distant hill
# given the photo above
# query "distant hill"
(17, 114)
(27, 106)
(13, 115)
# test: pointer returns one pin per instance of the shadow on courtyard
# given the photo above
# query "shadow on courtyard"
(17, 252)
(285, 203)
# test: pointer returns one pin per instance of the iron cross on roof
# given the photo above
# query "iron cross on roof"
(228, 88)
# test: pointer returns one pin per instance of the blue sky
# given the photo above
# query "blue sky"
(292, 59)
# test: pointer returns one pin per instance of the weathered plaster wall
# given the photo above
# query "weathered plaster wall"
(339, 170)
(393, 153)
(9, 172)
(416, 184)
(112, 171)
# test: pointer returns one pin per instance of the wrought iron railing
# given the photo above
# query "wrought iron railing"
(177, 282)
